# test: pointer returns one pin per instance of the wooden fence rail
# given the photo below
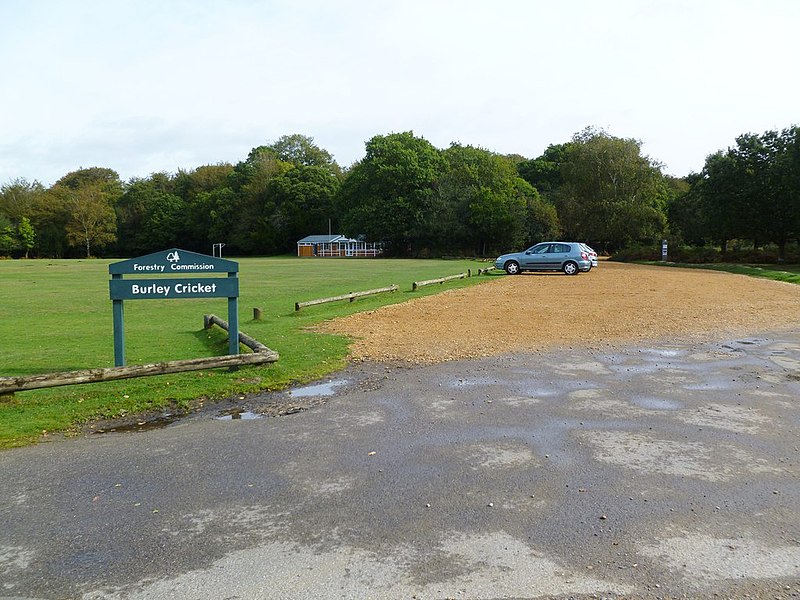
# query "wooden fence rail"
(9, 385)
(419, 284)
(252, 343)
(351, 296)
(261, 354)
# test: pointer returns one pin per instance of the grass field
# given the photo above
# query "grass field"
(785, 273)
(55, 315)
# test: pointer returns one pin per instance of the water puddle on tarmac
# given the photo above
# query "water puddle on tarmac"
(657, 404)
(320, 389)
(139, 426)
(235, 415)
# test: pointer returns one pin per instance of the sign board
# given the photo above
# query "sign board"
(664, 250)
(173, 262)
(160, 289)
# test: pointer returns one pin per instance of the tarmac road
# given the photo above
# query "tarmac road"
(638, 472)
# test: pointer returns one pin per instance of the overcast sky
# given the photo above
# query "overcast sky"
(141, 86)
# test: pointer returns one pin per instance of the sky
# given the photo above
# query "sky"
(144, 86)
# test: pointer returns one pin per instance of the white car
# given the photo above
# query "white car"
(592, 254)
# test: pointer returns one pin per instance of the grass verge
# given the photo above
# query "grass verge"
(786, 273)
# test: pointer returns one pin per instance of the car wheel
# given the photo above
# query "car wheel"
(570, 268)
(512, 267)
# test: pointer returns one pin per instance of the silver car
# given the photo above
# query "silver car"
(568, 257)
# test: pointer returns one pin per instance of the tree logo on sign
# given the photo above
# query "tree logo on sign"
(173, 257)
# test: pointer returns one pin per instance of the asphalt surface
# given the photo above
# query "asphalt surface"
(632, 472)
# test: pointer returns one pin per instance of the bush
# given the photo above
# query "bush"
(738, 254)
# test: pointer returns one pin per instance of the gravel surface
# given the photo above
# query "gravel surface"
(539, 311)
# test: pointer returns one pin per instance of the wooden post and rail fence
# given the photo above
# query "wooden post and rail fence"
(260, 355)
(351, 296)
(392, 288)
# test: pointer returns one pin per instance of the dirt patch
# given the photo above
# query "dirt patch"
(531, 312)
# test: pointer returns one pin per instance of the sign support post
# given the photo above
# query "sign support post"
(233, 321)
(119, 330)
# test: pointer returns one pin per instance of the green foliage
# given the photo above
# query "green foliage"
(419, 200)
(751, 191)
(389, 195)
(542, 219)
(88, 197)
(488, 200)
(26, 234)
(64, 310)
(92, 222)
(302, 201)
(301, 151)
(611, 193)
(8, 236)
(545, 172)
(150, 216)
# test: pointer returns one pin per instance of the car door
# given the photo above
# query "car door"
(557, 254)
(536, 257)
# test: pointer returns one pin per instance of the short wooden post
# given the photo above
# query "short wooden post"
(469, 272)
(256, 314)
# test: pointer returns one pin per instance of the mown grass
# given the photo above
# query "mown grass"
(785, 273)
(55, 315)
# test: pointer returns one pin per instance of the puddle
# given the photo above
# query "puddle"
(657, 404)
(320, 389)
(149, 425)
(665, 352)
(235, 415)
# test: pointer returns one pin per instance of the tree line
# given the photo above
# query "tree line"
(417, 199)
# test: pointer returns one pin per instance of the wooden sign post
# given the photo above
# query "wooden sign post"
(173, 262)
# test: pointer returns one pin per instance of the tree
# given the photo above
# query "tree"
(542, 221)
(751, 191)
(8, 237)
(301, 151)
(488, 200)
(302, 202)
(611, 192)
(26, 235)
(194, 188)
(150, 216)
(240, 209)
(89, 196)
(767, 171)
(786, 179)
(545, 172)
(685, 214)
(92, 219)
(719, 194)
(18, 197)
(389, 195)
(107, 179)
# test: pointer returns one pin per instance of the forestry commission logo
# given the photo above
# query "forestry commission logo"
(173, 257)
